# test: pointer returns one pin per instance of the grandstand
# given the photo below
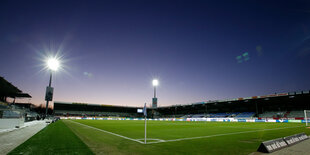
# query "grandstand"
(8, 90)
(11, 113)
(295, 114)
(275, 106)
(85, 109)
(245, 115)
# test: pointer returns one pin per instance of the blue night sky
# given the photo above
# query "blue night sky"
(198, 50)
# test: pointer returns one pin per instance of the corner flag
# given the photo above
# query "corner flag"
(144, 110)
(145, 114)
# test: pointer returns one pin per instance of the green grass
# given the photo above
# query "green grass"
(56, 138)
(61, 139)
(242, 143)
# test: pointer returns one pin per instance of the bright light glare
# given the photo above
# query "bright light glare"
(53, 64)
(155, 82)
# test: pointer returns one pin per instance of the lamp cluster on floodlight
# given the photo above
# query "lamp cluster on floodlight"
(155, 82)
(53, 64)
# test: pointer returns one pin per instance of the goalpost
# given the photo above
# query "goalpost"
(307, 117)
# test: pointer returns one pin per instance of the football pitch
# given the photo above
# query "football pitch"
(163, 137)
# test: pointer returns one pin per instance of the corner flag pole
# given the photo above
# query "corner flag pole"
(144, 130)
(145, 114)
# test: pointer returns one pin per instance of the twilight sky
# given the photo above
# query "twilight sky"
(199, 50)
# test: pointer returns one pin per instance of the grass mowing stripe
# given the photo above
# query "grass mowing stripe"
(245, 143)
(225, 134)
(56, 138)
(108, 132)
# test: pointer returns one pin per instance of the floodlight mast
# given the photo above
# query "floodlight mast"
(306, 118)
(154, 100)
(52, 65)
(154, 91)
(49, 85)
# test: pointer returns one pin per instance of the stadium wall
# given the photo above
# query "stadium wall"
(7, 123)
(196, 119)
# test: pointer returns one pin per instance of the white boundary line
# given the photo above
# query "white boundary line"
(179, 139)
(234, 133)
(109, 132)
(152, 139)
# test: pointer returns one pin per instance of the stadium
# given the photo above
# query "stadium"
(275, 106)
(154, 77)
(232, 126)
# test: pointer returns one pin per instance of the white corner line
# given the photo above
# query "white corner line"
(108, 132)
(234, 133)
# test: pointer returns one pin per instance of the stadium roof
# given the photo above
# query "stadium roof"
(23, 95)
(243, 98)
(9, 90)
(90, 104)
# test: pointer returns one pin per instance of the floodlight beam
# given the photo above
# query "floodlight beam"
(155, 82)
(53, 64)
